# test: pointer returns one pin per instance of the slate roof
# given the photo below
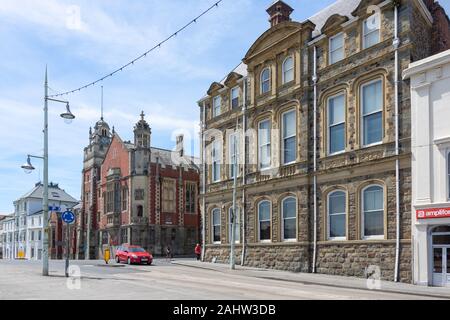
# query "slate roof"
(341, 7)
(54, 194)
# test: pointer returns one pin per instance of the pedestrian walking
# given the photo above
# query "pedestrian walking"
(168, 253)
(198, 251)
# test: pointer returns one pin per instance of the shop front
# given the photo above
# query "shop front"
(432, 247)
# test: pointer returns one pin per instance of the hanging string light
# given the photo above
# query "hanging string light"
(215, 5)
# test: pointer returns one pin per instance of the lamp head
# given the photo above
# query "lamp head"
(67, 116)
(28, 167)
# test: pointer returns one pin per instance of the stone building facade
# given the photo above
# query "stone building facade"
(324, 175)
(138, 194)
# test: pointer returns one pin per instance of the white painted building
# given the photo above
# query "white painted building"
(430, 125)
(22, 233)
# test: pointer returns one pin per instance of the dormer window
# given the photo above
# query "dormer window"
(235, 97)
(216, 106)
(265, 81)
(371, 31)
(336, 48)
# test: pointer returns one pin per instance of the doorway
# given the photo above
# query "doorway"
(441, 256)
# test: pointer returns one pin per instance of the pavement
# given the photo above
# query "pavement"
(321, 279)
(187, 279)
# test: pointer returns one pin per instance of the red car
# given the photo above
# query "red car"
(133, 254)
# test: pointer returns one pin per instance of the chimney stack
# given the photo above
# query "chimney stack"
(180, 145)
(279, 12)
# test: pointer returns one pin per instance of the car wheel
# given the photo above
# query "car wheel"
(117, 259)
(149, 263)
(129, 261)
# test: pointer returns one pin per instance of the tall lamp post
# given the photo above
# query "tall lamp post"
(28, 168)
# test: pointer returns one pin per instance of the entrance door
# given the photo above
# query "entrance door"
(441, 256)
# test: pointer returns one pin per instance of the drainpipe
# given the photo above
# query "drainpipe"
(203, 182)
(315, 161)
(244, 128)
(396, 45)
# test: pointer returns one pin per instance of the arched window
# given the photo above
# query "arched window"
(337, 215)
(289, 134)
(237, 224)
(336, 124)
(265, 80)
(264, 223)
(373, 212)
(371, 30)
(215, 225)
(289, 221)
(288, 70)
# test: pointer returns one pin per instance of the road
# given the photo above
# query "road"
(161, 281)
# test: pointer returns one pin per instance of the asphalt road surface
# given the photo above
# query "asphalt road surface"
(161, 281)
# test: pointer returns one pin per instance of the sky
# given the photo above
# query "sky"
(81, 41)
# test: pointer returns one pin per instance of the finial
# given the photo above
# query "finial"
(113, 130)
(142, 115)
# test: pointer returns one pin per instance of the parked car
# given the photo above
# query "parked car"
(133, 254)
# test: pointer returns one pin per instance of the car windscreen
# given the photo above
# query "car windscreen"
(136, 250)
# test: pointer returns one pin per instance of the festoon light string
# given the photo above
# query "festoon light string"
(216, 4)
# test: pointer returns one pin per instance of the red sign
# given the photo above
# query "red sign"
(433, 213)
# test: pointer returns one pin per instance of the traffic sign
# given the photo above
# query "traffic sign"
(68, 217)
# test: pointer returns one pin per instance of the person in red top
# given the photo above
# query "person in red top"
(198, 251)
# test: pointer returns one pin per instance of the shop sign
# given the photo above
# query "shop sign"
(433, 213)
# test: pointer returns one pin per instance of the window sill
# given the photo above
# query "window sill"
(369, 238)
(265, 241)
(338, 239)
(372, 145)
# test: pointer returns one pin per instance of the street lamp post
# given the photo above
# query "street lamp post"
(28, 167)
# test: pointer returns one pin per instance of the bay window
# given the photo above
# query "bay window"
(372, 112)
(289, 137)
(336, 124)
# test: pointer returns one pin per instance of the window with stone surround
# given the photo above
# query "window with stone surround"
(168, 195)
(234, 97)
(139, 194)
(336, 124)
(372, 212)
(336, 45)
(289, 137)
(109, 201)
(191, 197)
(289, 221)
(216, 106)
(237, 224)
(265, 81)
(124, 198)
(372, 112)
(233, 147)
(215, 225)
(337, 215)
(264, 144)
(288, 70)
(371, 30)
(216, 156)
(264, 221)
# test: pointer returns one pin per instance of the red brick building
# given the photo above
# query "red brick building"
(138, 194)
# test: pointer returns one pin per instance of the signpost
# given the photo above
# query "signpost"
(68, 217)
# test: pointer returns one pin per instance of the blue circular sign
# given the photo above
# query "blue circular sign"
(68, 217)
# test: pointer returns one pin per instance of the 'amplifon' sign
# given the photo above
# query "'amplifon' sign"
(433, 213)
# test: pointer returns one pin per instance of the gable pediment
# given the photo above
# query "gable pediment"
(361, 10)
(272, 36)
(214, 87)
(333, 23)
(232, 77)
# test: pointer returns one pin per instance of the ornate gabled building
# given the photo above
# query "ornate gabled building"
(143, 195)
(324, 175)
